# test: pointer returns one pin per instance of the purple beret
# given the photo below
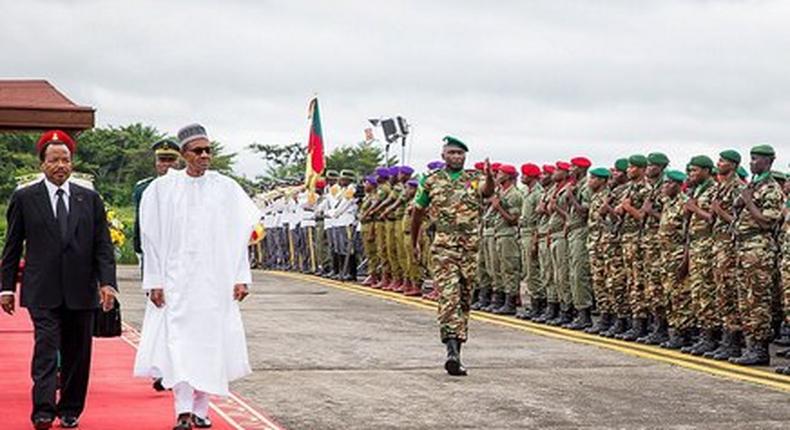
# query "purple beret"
(372, 180)
(435, 165)
(383, 172)
(394, 170)
(412, 183)
(406, 170)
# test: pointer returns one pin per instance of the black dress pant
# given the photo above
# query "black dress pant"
(69, 332)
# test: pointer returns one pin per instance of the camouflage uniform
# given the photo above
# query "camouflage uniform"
(703, 290)
(596, 246)
(559, 250)
(578, 254)
(655, 296)
(725, 257)
(452, 201)
(673, 242)
(529, 226)
(632, 257)
(616, 278)
(785, 263)
(756, 256)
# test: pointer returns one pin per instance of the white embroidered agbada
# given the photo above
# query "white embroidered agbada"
(195, 233)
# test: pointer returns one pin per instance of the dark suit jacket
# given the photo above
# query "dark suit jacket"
(55, 272)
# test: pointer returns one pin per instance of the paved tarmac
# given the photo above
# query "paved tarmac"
(324, 358)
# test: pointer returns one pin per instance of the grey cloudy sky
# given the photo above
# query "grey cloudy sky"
(519, 81)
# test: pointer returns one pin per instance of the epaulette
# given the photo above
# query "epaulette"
(143, 181)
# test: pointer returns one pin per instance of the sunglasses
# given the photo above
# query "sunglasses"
(201, 150)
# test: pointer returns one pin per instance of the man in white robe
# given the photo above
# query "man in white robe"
(195, 226)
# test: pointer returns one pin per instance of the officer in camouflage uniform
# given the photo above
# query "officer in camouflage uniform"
(544, 247)
(672, 237)
(630, 209)
(506, 205)
(759, 211)
(578, 254)
(651, 249)
(451, 198)
(700, 253)
(596, 247)
(533, 290)
(616, 280)
(725, 257)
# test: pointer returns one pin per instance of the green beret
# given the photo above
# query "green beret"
(601, 172)
(779, 176)
(332, 174)
(451, 141)
(637, 160)
(658, 158)
(676, 175)
(742, 172)
(766, 150)
(348, 174)
(731, 155)
(621, 164)
(702, 161)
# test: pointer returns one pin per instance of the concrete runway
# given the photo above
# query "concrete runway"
(325, 358)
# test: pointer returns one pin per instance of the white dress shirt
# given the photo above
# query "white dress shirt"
(52, 190)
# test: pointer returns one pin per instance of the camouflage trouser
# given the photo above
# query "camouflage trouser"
(579, 268)
(559, 262)
(509, 273)
(547, 269)
(680, 313)
(725, 260)
(655, 295)
(616, 286)
(754, 279)
(703, 288)
(427, 259)
(492, 260)
(369, 247)
(785, 267)
(454, 269)
(380, 232)
(531, 269)
(632, 262)
(597, 256)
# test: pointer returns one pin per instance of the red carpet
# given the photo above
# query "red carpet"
(114, 396)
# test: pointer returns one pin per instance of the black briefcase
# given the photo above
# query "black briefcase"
(108, 324)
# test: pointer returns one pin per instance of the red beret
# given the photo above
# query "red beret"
(563, 165)
(548, 168)
(530, 169)
(508, 169)
(495, 166)
(56, 136)
(480, 166)
(320, 183)
(582, 162)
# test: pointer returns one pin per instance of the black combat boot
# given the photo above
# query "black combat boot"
(638, 329)
(783, 370)
(603, 324)
(483, 299)
(583, 320)
(659, 334)
(508, 307)
(707, 343)
(535, 310)
(756, 354)
(620, 326)
(783, 353)
(565, 317)
(730, 346)
(453, 364)
(677, 339)
(475, 296)
(549, 313)
(496, 302)
(784, 335)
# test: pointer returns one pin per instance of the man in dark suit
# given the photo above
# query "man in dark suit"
(69, 270)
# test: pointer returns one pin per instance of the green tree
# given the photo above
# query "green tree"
(282, 161)
(362, 158)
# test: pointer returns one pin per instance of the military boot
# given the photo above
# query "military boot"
(603, 324)
(551, 311)
(508, 307)
(707, 344)
(677, 339)
(453, 364)
(784, 335)
(756, 354)
(483, 299)
(783, 370)
(620, 326)
(638, 329)
(475, 295)
(659, 334)
(783, 353)
(496, 302)
(730, 346)
(565, 316)
(583, 320)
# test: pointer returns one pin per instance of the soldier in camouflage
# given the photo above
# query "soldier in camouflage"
(616, 280)
(596, 227)
(451, 197)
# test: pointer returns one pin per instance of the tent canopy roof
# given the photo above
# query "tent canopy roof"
(36, 105)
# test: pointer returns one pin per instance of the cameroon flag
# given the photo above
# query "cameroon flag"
(315, 147)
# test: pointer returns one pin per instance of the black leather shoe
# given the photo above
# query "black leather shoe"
(184, 422)
(201, 423)
(69, 422)
(42, 423)
(158, 385)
